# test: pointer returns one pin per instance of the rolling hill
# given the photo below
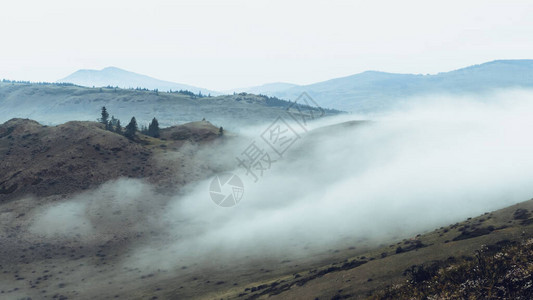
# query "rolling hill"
(53, 104)
(74, 156)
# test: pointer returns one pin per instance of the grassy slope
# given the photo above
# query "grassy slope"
(371, 271)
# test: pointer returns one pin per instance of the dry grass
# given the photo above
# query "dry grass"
(502, 271)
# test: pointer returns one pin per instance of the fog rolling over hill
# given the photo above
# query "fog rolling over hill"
(109, 216)
(374, 91)
(115, 77)
(342, 189)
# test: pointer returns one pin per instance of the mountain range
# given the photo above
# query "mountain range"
(370, 91)
(374, 91)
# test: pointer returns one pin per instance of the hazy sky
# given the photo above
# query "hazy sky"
(227, 44)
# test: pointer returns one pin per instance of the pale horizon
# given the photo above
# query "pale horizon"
(59, 80)
(239, 44)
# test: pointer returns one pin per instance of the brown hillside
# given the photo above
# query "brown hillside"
(74, 156)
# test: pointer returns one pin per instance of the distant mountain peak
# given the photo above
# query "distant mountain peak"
(112, 68)
(114, 76)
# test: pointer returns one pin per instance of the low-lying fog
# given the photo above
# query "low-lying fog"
(437, 161)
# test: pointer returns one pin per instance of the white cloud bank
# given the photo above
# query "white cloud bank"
(429, 165)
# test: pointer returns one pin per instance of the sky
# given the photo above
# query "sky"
(222, 45)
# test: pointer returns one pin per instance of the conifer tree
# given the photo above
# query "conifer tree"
(118, 128)
(131, 129)
(105, 116)
(153, 128)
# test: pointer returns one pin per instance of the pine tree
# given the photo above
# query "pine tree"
(131, 129)
(153, 128)
(105, 116)
(113, 121)
(118, 128)
(112, 124)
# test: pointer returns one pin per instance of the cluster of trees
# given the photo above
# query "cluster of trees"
(152, 129)
(38, 83)
(131, 129)
(156, 91)
(191, 94)
(274, 101)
